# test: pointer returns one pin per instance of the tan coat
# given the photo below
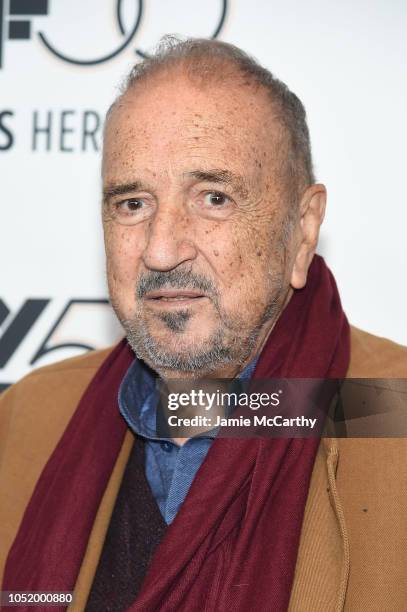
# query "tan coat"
(353, 548)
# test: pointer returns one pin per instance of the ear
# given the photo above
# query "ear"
(312, 211)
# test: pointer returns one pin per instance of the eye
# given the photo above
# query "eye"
(132, 210)
(216, 199)
(129, 206)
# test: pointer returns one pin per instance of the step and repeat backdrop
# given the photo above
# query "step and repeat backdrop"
(61, 62)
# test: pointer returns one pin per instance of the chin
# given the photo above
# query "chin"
(179, 354)
(181, 346)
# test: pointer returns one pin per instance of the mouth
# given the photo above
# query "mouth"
(175, 297)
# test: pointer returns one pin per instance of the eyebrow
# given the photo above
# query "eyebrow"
(121, 189)
(221, 176)
(216, 175)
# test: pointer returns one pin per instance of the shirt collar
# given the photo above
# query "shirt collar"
(138, 398)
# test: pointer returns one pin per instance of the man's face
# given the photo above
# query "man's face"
(194, 218)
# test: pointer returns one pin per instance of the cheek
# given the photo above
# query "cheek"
(246, 270)
(236, 270)
(223, 253)
(239, 254)
(252, 290)
(122, 262)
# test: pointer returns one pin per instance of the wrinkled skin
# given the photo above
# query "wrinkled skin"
(219, 236)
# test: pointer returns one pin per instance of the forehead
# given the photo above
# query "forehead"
(168, 125)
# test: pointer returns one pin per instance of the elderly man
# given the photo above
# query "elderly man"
(211, 216)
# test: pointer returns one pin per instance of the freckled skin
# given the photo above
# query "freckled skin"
(159, 132)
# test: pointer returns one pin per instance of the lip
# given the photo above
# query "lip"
(173, 294)
(167, 298)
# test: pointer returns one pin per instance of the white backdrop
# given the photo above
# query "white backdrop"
(346, 60)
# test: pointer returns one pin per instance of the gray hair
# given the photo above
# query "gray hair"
(200, 57)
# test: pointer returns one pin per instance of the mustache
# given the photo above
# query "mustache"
(177, 279)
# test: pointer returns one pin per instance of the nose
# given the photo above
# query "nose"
(169, 239)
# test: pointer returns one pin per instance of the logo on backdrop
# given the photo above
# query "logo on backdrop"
(69, 328)
(16, 24)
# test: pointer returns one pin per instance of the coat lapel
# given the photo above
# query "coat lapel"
(322, 568)
(98, 533)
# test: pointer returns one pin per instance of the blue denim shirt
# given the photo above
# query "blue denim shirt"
(170, 468)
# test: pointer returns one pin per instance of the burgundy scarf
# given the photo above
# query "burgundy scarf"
(234, 543)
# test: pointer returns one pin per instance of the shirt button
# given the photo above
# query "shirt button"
(166, 446)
